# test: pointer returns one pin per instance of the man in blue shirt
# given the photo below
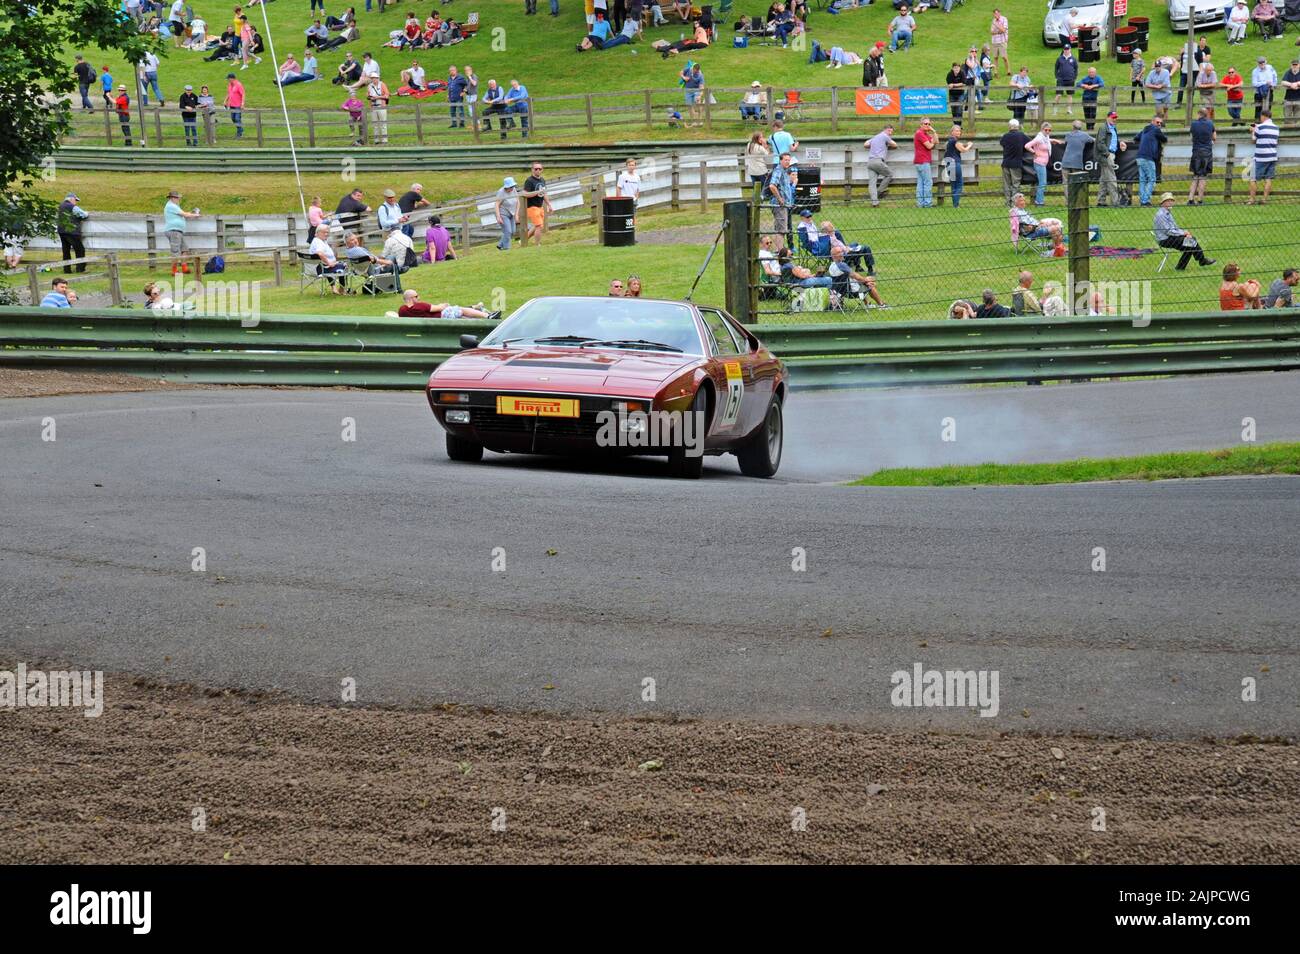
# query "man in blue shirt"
(456, 85)
(1151, 142)
(517, 102)
(1202, 165)
(1158, 81)
(1090, 84)
(174, 227)
(57, 296)
(780, 189)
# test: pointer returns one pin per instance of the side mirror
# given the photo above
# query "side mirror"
(468, 341)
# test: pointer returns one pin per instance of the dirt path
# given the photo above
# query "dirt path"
(279, 781)
(24, 382)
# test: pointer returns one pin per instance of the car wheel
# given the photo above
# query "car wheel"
(761, 456)
(680, 463)
(460, 449)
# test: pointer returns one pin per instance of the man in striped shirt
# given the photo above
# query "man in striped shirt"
(1264, 133)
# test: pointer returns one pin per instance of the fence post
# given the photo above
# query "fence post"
(464, 228)
(770, 105)
(157, 127)
(291, 229)
(419, 125)
(676, 187)
(209, 128)
(34, 284)
(704, 186)
(738, 256)
(221, 234)
(311, 124)
(848, 173)
(706, 94)
(277, 261)
(114, 279)
(1076, 188)
(649, 110)
(1229, 172)
(151, 241)
(596, 189)
(835, 109)
(108, 126)
(591, 123)
(258, 116)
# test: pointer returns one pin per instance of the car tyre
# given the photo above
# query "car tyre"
(460, 449)
(761, 455)
(681, 464)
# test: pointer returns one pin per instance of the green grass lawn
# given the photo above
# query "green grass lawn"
(539, 51)
(1230, 462)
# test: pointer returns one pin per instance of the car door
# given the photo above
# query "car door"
(743, 396)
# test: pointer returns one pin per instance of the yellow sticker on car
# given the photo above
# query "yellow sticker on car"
(538, 407)
(733, 369)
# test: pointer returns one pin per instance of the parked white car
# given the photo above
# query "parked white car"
(1208, 13)
(1083, 12)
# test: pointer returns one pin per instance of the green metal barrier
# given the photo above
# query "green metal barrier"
(311, 350)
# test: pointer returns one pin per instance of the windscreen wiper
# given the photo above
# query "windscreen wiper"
(564, 339)
(640, 343)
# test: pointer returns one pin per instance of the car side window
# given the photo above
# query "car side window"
(722, 336)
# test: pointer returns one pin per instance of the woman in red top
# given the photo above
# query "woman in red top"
(1236, 295)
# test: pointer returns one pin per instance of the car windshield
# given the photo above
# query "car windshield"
(1068, 5)
(626, 323)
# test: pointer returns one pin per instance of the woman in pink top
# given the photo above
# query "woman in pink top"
(316, 215)
(1041, 147)
(246, 44)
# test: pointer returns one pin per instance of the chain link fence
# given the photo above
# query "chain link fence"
(849, 260)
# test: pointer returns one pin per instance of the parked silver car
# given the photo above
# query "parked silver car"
(1208, 13)
(1083, 12)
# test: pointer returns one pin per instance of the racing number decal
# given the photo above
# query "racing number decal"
(735, 391)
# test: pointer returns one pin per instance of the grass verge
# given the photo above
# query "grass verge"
(1229, 462)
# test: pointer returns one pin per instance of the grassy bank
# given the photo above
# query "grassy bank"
(1229, 462)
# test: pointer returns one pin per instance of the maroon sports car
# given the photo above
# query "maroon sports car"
(619, 375)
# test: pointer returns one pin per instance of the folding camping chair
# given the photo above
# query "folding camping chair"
(383, 280)
(311, 273)
(1022, 243)
(794, 103)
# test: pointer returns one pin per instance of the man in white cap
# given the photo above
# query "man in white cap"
(507, 211)
(755, 103)
(1169, 235)
(174, 228)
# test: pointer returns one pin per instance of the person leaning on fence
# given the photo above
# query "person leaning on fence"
(68, 219)
(1232, 83)
(174, 219)
(1202, 163)
(1169, 235)
(878, 174)
(1013, 143)
(1265, 135)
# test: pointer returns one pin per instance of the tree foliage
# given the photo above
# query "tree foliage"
(38, 39)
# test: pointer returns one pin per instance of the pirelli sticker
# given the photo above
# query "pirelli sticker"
(735, 391)
(537, 407)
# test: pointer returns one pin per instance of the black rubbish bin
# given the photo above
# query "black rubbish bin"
(618, 221)
(808, 190)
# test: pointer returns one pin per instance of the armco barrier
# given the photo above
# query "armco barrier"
(399, 353)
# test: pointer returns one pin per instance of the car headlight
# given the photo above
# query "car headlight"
(455, 416)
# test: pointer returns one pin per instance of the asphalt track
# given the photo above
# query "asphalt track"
(372, 560)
